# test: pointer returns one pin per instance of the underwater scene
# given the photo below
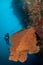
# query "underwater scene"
(21, 32)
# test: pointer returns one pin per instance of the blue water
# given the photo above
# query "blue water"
(9, 23)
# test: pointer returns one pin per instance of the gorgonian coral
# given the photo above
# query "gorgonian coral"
(24, 42)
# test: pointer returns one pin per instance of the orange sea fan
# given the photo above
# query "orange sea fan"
(24, 42)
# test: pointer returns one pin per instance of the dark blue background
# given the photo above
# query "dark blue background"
(9, 23)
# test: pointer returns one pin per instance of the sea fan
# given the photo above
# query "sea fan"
(24, 42)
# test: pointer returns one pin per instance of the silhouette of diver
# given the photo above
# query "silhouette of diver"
(7, 38)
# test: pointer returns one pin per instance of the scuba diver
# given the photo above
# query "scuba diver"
(6, 37)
